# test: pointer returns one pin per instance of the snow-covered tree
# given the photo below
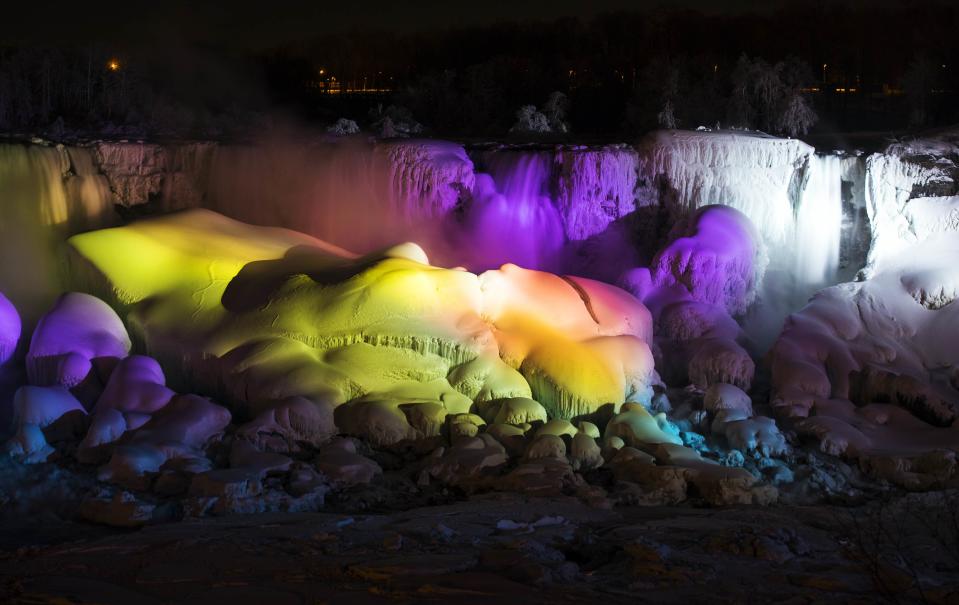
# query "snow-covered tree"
(394, 121)
(530, 120)
(557, 105)
(343, 127)
(666, 116)
(796, 116)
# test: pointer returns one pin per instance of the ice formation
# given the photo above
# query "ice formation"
(869, 368)
(9, 329)
(595, 188)
(332, 188)
(236, 312)
(708, 272)
(76, 345)
(750, 172)
(908, 189)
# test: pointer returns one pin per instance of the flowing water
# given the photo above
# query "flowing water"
(512, 218)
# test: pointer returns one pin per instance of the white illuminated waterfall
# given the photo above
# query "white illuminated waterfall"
(818, 225)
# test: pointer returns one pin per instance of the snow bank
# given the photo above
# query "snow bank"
(260, 315)
(869, 368)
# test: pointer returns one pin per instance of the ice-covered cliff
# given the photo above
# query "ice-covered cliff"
(751, 172)
(908, 188)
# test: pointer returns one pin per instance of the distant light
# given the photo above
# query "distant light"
(322, 71)
(113, 65)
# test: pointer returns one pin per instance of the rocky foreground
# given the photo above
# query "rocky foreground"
(499, 548)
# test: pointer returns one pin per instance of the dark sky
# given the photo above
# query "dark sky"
(259, 23)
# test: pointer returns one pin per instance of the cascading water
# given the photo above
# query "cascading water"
(818, 225)
(49, 193)
(810, 259)
(512, 219)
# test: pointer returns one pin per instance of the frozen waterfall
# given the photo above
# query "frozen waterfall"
(818, 225)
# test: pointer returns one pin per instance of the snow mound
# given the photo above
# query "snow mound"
(696, 282)
(867, 367)
(76, 344)
(716, 255)
(256, 316)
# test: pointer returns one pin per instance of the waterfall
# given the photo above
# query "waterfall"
(512, 219)
(353, 193)
(49, 193)
(818, 225)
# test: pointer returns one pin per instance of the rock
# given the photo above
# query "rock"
(557, 427)
(466, 459)
(585, 453)
(123, 509)
(519, 410)
(546, 446)
(588, 428)
(286, 424)
(339, 461)
(721, 396)
(636, 427)
(244, 455)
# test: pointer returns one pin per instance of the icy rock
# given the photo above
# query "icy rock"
(244, 455)
(289, 423)
(136, 385)
(546, 446)
(637, 428)
(585, 453)
(518, 410)
(123, 509)
(29, 445)
(466, 459)
(180, 429)
(76, 344)
(758, 434)
(42, 406)
(721, 396)
(464, 426)
(557, 427)
(692, 287)
(42, 413)
(510, 437)
(339, 461)
(587, 428)
(9, 329)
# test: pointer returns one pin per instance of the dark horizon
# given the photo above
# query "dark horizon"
(250, 25)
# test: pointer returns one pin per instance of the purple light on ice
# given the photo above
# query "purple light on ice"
(512, 219)
(9, 329)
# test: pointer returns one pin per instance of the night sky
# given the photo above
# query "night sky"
(255, 24)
